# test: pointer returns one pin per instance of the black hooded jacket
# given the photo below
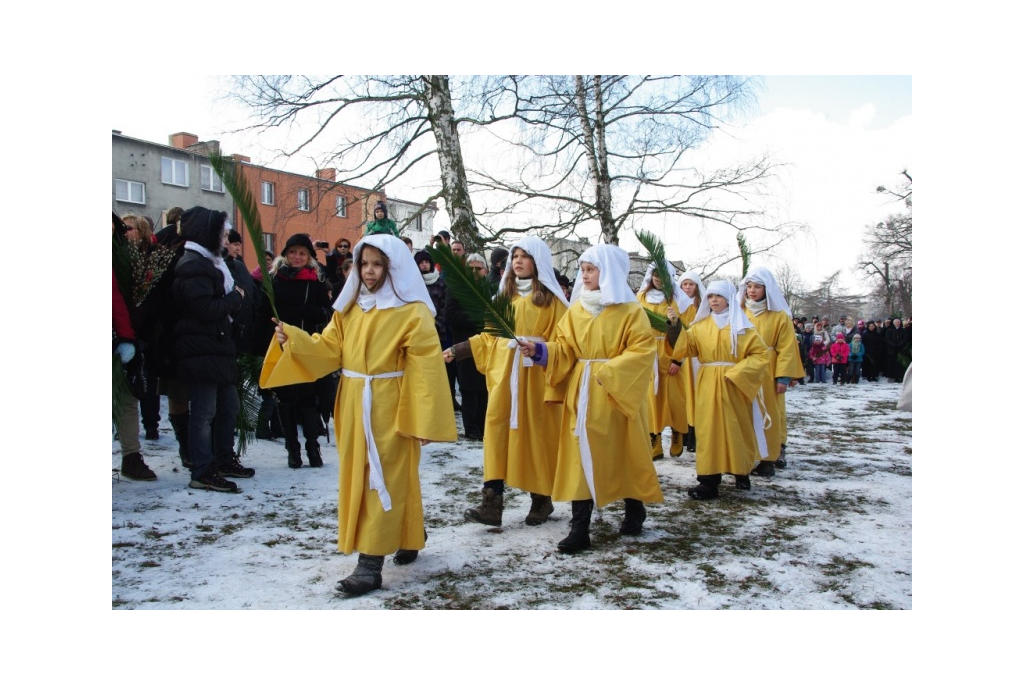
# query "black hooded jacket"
(204, 346)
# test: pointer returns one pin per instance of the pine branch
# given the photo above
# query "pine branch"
(656, 252)
(230, 174)
(492, 311)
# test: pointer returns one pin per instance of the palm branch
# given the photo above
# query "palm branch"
(656, 251)
(493, 311)
(121, 391)
(744, 252)
(234, 181)
(658, 322)
(249, 400)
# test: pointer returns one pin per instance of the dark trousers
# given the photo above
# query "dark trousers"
(213, 410)
(474, 396)
(838, 373)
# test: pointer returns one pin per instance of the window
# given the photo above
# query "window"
(268, 193)
(304, 200)
(209, 180)
(130, 191)
(173, 171)
(339, 207)
(268, 243)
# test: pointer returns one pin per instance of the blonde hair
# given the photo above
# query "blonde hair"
(143, 227)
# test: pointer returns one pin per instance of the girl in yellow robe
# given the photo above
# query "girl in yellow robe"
(767, 309)
(666, 404)
(692, 287)
(393, 390)
(733, 359)
(604, 347)
(519, 438)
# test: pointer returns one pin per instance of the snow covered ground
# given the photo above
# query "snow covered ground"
(832, 531)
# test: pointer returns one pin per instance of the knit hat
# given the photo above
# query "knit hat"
(420, 256)
(302, 240)
(234, 236)
(840, 336)
(381, 205)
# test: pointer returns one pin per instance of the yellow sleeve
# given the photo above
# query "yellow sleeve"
(751, 363)
(482, 346)
(787, 352)
(421, 413)
(628, 376)
(304, 358)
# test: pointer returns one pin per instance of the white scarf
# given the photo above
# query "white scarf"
(757, 308)
(218, 261)
(430, 278)
(591, 301)
(366, 299)
(721, 319)
(655, 296)
(524, 286)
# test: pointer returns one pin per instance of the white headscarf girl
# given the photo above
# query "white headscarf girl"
(695, 277)
(733, 316)
(774, 298)
(655, 296)
(541, 253)
(613, 283)
(402, 284)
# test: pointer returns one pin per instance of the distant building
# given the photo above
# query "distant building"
(413, 223)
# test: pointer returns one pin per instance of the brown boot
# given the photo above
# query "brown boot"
(540, 509)
(489, 513)
(133, 467)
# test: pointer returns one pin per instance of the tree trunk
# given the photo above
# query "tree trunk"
(597, 157)
(454, 184)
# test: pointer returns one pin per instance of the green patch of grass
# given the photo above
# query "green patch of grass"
(149, 563)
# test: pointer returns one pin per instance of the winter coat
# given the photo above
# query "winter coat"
(819, 353)
(382, 226)
(858, 355)
(204, 342)
(244, 321)
(301, 299)
(204, 337)
(840, 352)
(438, 293)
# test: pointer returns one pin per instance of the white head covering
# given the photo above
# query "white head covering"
(738, 321)
(678, 295)
(695, 277)
(773, 294)
(541, 253)
(405, 285)
(613, 263)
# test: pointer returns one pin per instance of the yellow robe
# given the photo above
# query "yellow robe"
(668, 406)
(776, 330)
(688, 372)
(404, 410)
(724, 415)
(525, 457)
(617, 424)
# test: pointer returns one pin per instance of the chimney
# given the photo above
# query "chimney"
(240, 158)
(326, 174)
(205, 148)
(182, 140)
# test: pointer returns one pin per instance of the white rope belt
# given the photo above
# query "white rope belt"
(762, 421)
(581, 426)
(513, 420)
(376, 472)
(656, 346)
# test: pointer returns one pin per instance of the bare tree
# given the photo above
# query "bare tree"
(888, 256)
(618, 150)
(377, 129)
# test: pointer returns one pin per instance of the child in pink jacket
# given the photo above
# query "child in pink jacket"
(819, 357)
(840, 352)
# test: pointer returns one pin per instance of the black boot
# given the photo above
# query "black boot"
(742, 482)
(765, 469)
(407, 556)
(691, 439)
(780, 463)
(132, 466)
(311, 429)
(707, 487)
(366, 577)
(291, 435)
(179, 422)
(579, 531)
(636, 514)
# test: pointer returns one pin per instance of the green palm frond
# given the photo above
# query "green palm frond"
(658, 322)
(122, 392)
(656, 252)
(744, 252)
(235, 183)
(249, 400)
(478, 300)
